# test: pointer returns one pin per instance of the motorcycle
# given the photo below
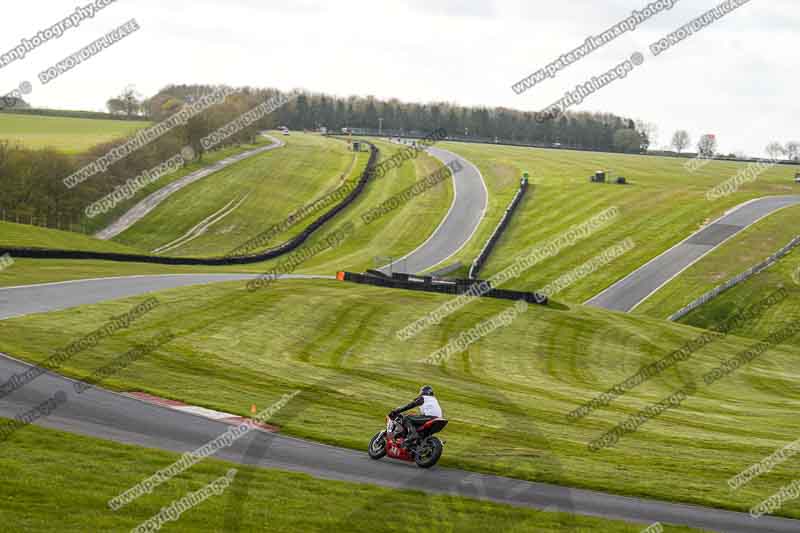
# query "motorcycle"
(425, 452)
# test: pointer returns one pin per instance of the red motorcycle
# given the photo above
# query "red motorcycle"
(425, 452)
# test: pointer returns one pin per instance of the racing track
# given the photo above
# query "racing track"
(629, 292)
(107, 415)
(46, 297)
(470, 199)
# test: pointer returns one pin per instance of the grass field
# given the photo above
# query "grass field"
(101, 221)
(395, 234)
(661, 206)
(271, 185)
(60, 481)
(25, 236)
(70, 135)
(746, 250)
(506, 397)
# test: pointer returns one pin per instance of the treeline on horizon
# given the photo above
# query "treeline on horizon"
(310, 111)
(31, 180)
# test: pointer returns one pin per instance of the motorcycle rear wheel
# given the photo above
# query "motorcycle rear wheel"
(430, 453)
(377, 446)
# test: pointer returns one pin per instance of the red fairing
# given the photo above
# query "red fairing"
(395, 450)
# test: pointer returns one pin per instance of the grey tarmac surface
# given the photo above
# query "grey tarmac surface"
(466, 212)
(635, 288)
(20, 301)
(107, 415)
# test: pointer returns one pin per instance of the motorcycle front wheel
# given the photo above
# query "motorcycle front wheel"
(429, 453)
(377, 446)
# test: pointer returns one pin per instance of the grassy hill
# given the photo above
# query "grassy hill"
(507, 395)
(70, 135)
(101, 221)
(662, 204)
(270, 186)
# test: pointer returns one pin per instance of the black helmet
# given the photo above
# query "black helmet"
(426, 390)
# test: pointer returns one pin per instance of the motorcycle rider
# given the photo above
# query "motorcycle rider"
(429, 408)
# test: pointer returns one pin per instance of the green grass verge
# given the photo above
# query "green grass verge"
(506, 396)
(661, 206)
(749, 248)
(272, 185)
(25, 236)
(69, 135)
(57, 481)
(101, 221)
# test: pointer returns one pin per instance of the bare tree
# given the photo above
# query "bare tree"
(793, 150)
(649, 131)
(116, 106)
(707, 146)
(132, 100)
(681, 140)
(775, 150)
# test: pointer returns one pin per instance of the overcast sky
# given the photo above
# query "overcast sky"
(737, 78)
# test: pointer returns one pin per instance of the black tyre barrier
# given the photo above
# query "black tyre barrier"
(477, 265)
(430, 284)
(283, 249)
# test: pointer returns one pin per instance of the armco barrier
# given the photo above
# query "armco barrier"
(430, 284)
(285, 248)
(477, 265)
(749, 273)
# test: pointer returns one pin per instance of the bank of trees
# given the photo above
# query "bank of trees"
(31, 181)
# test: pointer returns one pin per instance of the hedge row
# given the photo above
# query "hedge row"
(66, 113)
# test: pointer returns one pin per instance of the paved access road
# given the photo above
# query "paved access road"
(632, 290)
(459, 225)
(141, 209)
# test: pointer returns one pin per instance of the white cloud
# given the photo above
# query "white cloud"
(735, 78)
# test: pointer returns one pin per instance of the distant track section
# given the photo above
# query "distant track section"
(285, 248)
(629, 292)
(470, 200)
